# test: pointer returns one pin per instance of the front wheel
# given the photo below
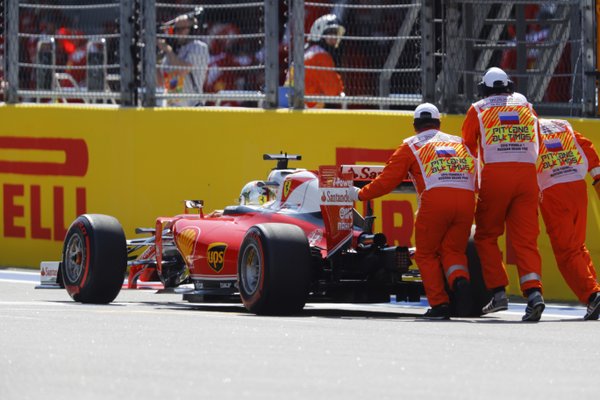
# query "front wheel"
(274, 269)
(94, 259)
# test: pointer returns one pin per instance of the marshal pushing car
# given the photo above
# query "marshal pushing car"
(292, 238)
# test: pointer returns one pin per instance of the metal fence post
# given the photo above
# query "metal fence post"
(522, 86)
(149, 54)
(427, 52)
(298, 53)
(589, 58)
(454, 58)
(271, 53)
(96, 57)
(12, 50)
(125, 55)
(468, 32)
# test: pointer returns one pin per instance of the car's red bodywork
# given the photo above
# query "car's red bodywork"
(308, 242)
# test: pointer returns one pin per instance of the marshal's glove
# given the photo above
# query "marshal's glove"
(353, 192)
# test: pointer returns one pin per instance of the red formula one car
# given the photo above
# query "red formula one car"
(291, 239)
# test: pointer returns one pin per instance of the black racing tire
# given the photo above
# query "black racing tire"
(94, 259)
(274, 269)
(481, 296)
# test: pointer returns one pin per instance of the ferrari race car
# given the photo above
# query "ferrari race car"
(291, 239)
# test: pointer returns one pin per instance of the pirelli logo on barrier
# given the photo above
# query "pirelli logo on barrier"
(23, 205)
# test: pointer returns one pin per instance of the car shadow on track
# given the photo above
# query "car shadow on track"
(306, 313)
(345, 313)
(332, 312)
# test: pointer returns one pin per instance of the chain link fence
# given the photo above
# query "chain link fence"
(2, 56)
(547, 47)
(378, 59)
(224, 50)
(67, 52)
(263, 53)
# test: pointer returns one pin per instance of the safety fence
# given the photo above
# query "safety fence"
(269, 53)
(380, 57)
(2, 80)
(64, 52)
(547, 47)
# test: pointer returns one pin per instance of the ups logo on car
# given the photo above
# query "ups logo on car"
(215, 255)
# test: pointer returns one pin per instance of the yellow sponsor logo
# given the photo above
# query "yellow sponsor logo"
(215, 256)
(286, 188)
(186, 241)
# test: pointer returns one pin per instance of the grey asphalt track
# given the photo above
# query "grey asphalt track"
(156, 346)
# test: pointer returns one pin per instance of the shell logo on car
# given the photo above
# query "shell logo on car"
(186, 242)
(215, 255)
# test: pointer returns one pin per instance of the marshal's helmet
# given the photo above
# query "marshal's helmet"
(326, 25)
(256, 193)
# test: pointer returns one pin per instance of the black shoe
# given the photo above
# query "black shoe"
(440, 312)
(464, 297)
(535, 307)
(498, 303)
(593, 308)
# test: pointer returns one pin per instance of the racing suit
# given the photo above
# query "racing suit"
(443, 172)
(320, 82)
(565, 158)
(502, 130)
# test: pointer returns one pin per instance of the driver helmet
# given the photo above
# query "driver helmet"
(326, 25)
(256, 193)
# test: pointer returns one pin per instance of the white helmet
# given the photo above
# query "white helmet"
(326, 23)
(426, 111)
(495, 79)
(256, 193)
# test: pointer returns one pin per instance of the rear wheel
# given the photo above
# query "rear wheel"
(481, 295)
(274, 269)
(94, 259)
(478, 293)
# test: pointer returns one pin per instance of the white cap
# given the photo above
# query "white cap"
(495, 74)
(427, 110)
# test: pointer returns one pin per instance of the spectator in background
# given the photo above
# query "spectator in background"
(75, 51)
(185, 62)
(223, 53)
(320, 77)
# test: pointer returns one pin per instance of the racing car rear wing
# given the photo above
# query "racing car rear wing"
(282, 159)
(363, 174)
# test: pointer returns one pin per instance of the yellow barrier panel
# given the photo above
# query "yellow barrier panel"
(138, 164)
